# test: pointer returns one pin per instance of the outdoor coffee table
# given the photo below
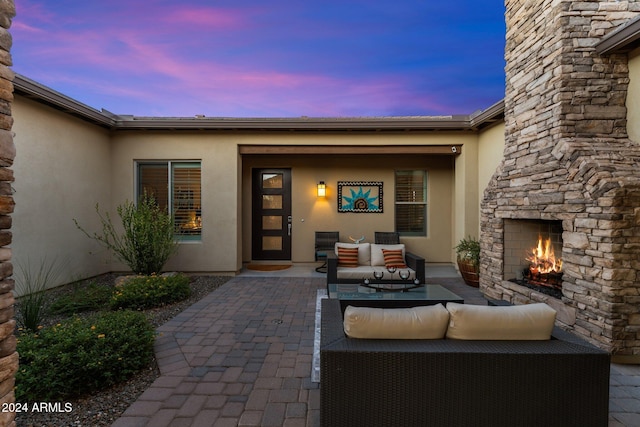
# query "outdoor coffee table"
(360, 296)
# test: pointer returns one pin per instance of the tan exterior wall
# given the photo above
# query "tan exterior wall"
(311, 214)
(473, 170)
(218, 249)
(227, 191)
(490, 154)
(79, 165)
(633, 96)
(466, 201)
(62, 170)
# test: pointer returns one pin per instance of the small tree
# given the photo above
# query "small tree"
(147, 240)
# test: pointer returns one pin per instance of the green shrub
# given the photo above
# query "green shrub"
(141, 293)
(79, 356)
(148, 238)
(92, 297)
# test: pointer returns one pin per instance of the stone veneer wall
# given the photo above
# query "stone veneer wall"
(567, 157)
(8, 354)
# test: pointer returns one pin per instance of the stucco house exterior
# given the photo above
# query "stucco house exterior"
(430, 172)
(73, 157)
(560, 152)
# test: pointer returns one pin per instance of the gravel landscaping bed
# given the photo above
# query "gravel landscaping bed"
(106, 406)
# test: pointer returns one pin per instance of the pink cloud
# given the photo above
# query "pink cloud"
(21, 27)
(209, 86)
(147, 51)
(208, 17)
(172, 58)
(232, 93)
(145, 47)
(178, 87)
(33, 11)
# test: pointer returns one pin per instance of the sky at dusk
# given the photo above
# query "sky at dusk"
(277, 58)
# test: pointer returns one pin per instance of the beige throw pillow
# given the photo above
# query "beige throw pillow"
(428, 322)
(518, 322)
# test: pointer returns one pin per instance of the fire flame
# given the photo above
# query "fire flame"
(543, 259)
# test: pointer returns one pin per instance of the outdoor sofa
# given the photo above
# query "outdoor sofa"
(563, 381)
(370, 258)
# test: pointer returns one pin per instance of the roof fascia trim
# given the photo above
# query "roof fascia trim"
(31, 89)
(40, 93)
(620, 39)
(295, 124)
(489, 116)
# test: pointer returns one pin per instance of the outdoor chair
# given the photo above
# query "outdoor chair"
(387, 237)
(325, 242)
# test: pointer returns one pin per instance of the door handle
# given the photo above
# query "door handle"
(289, 229)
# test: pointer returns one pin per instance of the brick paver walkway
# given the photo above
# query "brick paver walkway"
(239, 357)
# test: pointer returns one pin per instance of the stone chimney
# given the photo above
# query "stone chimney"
(568, 160)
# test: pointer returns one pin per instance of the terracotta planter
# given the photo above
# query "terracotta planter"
(469, 272)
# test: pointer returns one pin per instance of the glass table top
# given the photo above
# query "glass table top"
(357, 292)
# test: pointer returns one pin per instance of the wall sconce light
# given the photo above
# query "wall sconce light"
(322, 189)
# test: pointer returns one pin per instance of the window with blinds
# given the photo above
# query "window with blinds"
(411, 202)
(153, 180)
(176, 187)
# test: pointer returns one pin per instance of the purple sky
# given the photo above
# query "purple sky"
(257, 58)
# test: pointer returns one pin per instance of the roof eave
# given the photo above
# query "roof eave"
(375, 124)
(462, 123)
(33, 90)
(488, 117)
(621, 40)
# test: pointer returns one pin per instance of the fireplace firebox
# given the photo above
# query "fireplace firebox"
(533, 254)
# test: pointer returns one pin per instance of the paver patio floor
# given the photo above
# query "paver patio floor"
(242, 356)
(239, 357)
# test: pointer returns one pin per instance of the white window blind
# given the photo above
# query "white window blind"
(176, 186)
(153, 180)
(411, 202)
(187, 198)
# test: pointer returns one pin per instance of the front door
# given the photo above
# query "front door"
(271, 214)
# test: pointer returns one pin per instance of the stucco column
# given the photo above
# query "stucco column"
(467, 199)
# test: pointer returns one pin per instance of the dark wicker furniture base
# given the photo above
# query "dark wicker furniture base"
(561, 382)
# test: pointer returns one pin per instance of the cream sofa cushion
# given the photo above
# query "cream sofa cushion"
(377, 257)
(364, 251)
(518, 322)
(427, 322)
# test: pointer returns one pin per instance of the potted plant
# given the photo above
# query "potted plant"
(468, 257)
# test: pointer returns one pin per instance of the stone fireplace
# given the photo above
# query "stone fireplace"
(570, 168)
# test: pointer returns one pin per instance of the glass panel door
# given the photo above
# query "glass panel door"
(271, 214)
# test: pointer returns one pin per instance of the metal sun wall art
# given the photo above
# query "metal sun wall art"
(360, 196)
